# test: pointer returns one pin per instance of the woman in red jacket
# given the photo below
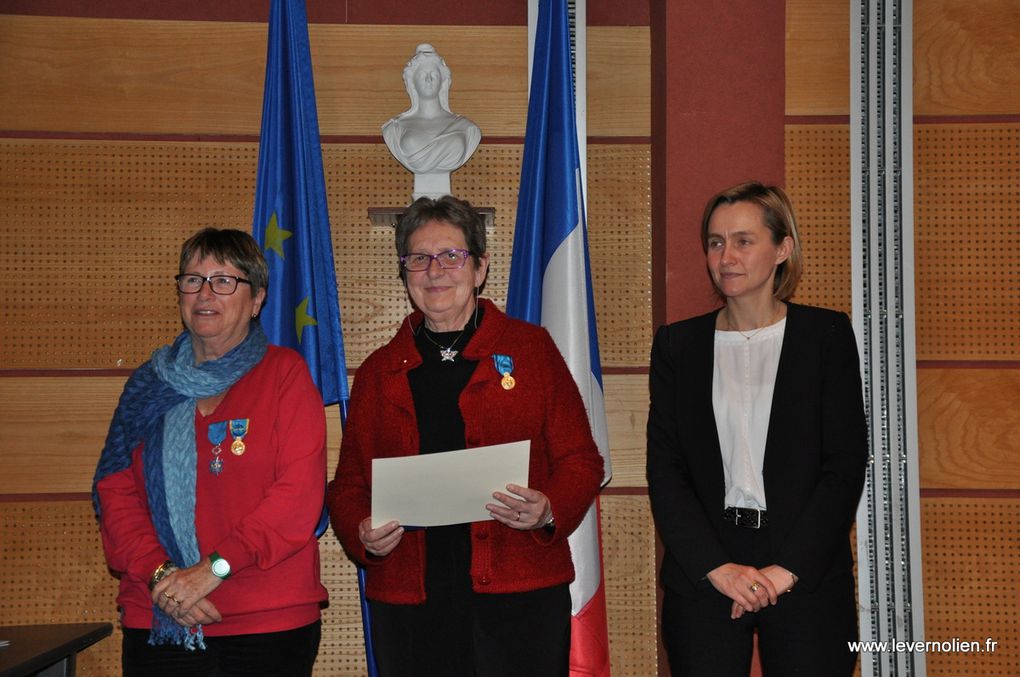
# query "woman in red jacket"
(485, 598)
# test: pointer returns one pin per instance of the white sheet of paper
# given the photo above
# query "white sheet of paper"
(451, 487)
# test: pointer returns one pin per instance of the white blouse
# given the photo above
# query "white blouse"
(742, 384)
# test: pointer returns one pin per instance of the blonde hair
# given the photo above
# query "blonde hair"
(779, 218)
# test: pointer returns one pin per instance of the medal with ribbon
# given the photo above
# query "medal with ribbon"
(217, 433)
(238, 429)
(505, 366)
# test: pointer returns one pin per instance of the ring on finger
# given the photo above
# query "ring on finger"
(755, 587)
(517, 516)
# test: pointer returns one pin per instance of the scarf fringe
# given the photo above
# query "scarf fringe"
(166, 630)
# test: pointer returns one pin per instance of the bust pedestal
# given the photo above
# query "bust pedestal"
(431, 184)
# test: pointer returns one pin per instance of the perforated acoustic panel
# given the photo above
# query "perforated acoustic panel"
(93, 230)
(967, 212)
(342, 647)
(52, 571)
(620, 243)
(628, 553)
(818, 182)
(971, 551)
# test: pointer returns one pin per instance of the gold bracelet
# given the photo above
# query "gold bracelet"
(161, 572)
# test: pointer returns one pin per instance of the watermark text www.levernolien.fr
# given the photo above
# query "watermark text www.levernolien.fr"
(954, 645)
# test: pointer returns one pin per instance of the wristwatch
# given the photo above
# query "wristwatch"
(220, 566)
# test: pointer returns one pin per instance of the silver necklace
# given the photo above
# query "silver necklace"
(447, 353)
(754, 333)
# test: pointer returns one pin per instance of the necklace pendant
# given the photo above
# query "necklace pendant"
(448, 354)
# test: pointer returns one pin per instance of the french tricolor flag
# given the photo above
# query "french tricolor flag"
(550, 284)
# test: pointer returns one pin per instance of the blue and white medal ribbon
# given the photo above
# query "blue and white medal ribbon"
(217, 433)
(238, 429)
(505, 366)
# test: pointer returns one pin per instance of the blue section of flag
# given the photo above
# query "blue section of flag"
(291, 220)
(549, 205)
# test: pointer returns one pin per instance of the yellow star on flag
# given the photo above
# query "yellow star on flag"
(302, 319)
(275, 237)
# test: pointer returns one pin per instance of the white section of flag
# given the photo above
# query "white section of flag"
(565, 316)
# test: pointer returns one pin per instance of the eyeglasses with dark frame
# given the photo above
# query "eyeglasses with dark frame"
(451, 259)
(224, 285)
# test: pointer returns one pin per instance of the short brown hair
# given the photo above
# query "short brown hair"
(779, 218)
(235, 247)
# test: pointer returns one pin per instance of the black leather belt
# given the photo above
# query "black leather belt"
(752, 518)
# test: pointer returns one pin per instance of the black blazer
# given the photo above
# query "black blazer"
(816, 451)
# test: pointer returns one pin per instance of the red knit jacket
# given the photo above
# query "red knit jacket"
(544, 407)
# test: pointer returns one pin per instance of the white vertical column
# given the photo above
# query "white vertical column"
(882, 221)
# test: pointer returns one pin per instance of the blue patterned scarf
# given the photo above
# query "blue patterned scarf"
(157, 408)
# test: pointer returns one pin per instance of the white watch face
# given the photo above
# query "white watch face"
(221, 567)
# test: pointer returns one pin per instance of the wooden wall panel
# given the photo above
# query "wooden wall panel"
(967, 421)
(180, 77)
(966, 57)
(971, 557)
(818, 182)
(52, 571)
(627, 417)
(628, 555)
(53, 429)
(93, 231)
(967, 243)
(817, 57)
(967, 203)
(342, 647)
(619, 81)
(620, 246)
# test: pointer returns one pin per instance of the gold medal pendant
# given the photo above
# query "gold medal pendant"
(508, 381)
(238, 429)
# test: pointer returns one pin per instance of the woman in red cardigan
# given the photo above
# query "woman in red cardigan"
(485, 598)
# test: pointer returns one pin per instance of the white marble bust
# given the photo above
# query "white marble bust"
(428, 139)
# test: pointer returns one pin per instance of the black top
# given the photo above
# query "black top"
(816, 450)
(436, 386)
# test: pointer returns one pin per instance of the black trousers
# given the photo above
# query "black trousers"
(478, 635)
(806, 633)
(290, 653)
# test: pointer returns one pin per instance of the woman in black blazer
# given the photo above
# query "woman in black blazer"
(757, 449)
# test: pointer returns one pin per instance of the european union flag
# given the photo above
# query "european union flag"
(291, 221)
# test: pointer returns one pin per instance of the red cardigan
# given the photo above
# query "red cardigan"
(544, 407)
